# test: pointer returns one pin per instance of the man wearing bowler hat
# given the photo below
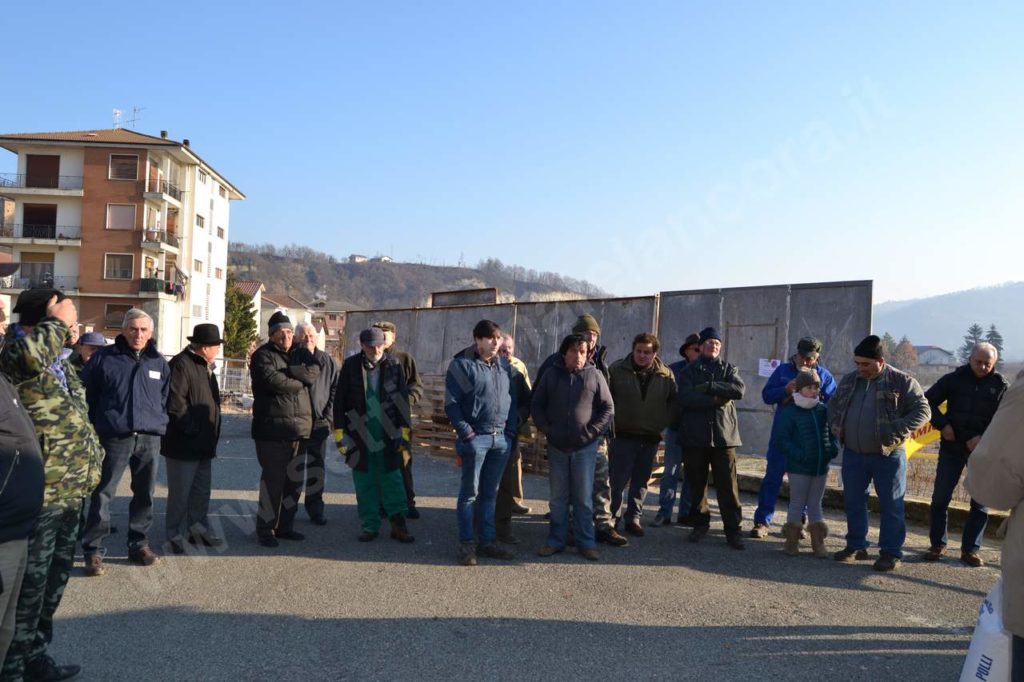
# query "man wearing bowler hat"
(190, 444)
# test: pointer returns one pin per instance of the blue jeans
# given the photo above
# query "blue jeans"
(947, 475)
(571, 475)
(483, 463)
(673, 476)
(889, 475)
(135, 452)
(768, 494)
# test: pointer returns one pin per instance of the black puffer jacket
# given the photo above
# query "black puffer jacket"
(193, 408)
(280, 387)
(971, 404)
(21, 468)
(573, 409)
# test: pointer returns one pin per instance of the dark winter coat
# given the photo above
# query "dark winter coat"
(645, 399)
(193, 408)
(804, 438)
(281, 408)
(127, 394)
(970, 405)
(707, 407)
(480, 398)
(21, 468)
(350, 412)
(573, 409)
(322, 392)
(901, 407)
(599, 358)
(412, 375)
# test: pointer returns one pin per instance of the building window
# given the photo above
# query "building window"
(223, 192)
(120, 216)
(113, 315)
(197, 267)
(219, 273)
(202, 177)
(124, 167)
(200, 221)
(118, 265)
(197, 311)
(220, 232)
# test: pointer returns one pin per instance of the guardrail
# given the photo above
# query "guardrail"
(34, 181)
(23, 231)
(165, 187)
(158, 236)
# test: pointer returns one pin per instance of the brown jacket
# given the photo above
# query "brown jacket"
(995, 478)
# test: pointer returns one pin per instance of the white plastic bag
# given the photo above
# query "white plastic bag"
(989, 656)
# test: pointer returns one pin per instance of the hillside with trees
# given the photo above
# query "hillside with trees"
(306, 273)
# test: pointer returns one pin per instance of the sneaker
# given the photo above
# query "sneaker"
(659, 521)
(143, 556)
(94, 566)
(289, 535)
(610, 536)
(367, 536)
(759, 531)
(886, 562)
(493, 551)
(520, 509)
(735, 541)
(267, 541)
(548, 550)
(467, 554)
(635, 529)
(971, 559)
(590, 554)
(414, 513)
(848, 555)
(45, 669)
(698, 533)
(934, 553)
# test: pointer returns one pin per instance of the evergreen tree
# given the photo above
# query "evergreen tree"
(975, 334)
(240, 328)
(905, 356)
(888, 345)
(996, 339)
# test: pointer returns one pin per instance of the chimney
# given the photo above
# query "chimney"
(185, 142)
(163, 134)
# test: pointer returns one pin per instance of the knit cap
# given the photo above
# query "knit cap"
(586, 323)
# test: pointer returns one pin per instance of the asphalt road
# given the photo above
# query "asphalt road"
(330, 608)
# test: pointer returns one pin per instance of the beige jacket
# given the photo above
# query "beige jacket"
(995, 478)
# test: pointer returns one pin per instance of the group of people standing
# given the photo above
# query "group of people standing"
(81, 412)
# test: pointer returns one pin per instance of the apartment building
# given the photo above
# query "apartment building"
(118, 219)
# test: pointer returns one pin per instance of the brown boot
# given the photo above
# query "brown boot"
(819, 531)
(399, 531)
(791, 531)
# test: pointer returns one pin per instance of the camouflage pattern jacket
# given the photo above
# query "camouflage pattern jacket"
(72, 454)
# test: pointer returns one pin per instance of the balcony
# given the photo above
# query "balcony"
(35, 183)
(160, 240)
(41, 280)
(162, 190)
(57, 234)
(159, 286)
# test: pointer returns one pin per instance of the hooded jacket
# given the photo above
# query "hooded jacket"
(645, 399)
(572, 408)
(479, 397)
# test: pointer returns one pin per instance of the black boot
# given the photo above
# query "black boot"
(399, 531)
(45, 669)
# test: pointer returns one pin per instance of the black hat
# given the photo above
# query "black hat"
(691, 340)
(279, 321)
(374, 336)
(809, 347)
(31, 305)
(206, 334)
(709, 333)
(870, 347)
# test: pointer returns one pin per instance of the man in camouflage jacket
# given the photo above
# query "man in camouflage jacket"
(54, 397)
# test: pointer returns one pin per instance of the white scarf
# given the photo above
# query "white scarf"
(803, 401)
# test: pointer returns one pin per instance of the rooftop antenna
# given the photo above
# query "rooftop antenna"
(135, 117)
(117, 117)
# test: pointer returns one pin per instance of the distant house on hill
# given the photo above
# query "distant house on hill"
(296, 310)
(934, 356)
(253, 289)
(382, 259)
(357, 258)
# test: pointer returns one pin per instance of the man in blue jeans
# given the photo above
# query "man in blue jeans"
(972, 394)
(480, 402)
(126, 384)
(673, 474)
(873, 412)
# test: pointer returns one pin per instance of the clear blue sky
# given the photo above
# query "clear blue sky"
(643, 146)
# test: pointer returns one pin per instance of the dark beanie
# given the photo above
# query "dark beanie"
(691, 340)
(279, 321)
(31, 305)
(374, 336)
(709, 333)
(870, 347)
(586, 323)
